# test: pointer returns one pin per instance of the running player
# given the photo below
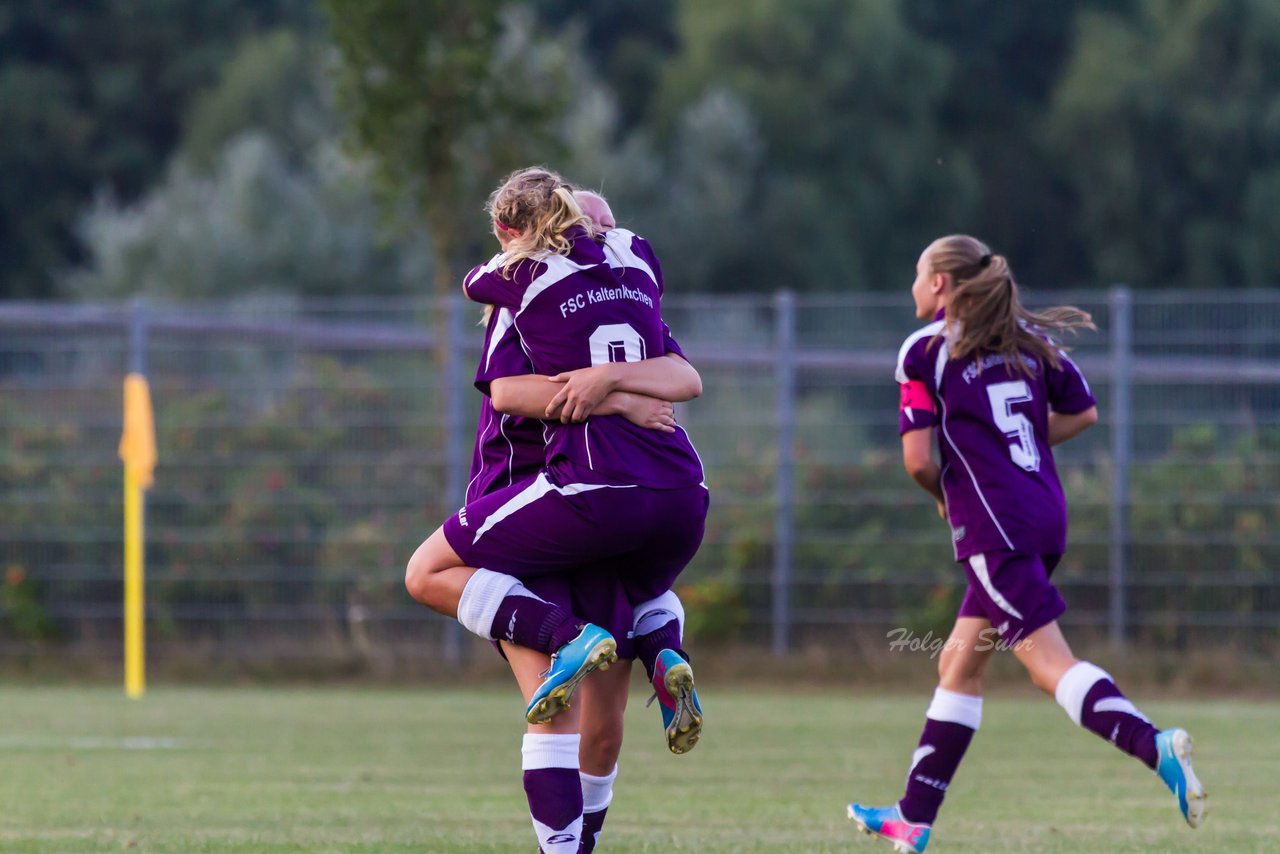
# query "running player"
(626, 499)
(1000, 394)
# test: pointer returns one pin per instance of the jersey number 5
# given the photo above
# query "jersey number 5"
(616, 342)
(1024, 452)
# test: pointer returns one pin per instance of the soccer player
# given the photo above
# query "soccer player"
(509, 447)
(628, 500)
(999, 394)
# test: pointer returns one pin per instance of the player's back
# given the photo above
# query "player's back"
(999, 476)
(573, 311)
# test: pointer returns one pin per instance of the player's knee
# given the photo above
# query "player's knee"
(601, 748)
(419, 578)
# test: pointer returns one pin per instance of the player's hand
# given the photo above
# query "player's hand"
(942, 511)
(581, 393)
(649, 412)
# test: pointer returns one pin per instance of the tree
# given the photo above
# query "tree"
(1168, 128)
(844, 95)
(258, 220)
(92, 95)
(447, 95)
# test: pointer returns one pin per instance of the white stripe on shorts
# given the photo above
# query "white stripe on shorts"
(979, 564)
(541, 486)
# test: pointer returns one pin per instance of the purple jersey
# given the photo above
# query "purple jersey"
(998, 475)
(576, 310)
(508, 448)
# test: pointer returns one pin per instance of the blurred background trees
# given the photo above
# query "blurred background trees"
(170, 147)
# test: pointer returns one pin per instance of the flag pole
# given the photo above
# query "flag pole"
(138, 452)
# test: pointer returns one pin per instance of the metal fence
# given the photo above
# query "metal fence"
(307, 447)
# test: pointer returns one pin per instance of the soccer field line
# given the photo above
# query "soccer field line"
(20, 742)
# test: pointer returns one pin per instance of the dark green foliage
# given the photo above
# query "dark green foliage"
(93, 95)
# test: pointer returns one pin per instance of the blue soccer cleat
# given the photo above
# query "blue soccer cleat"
(1174, 767)
(593, 648)
(907, 837)
(681, 711)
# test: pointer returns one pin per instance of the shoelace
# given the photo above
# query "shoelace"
(554, 657)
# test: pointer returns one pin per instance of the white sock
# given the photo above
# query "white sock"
(657, 612)
(597, 792)
(1074, 686)
(550, 790)
(480, 599)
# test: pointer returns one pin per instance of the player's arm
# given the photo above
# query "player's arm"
(1063, 426)
(917, 458)
(529, 395)
(667, 377)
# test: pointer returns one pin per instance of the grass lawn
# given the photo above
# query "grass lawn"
(438, 770)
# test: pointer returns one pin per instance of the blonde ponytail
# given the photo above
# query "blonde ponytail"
(539, 207)
(985, 313)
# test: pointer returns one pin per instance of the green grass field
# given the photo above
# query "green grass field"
(357, 769)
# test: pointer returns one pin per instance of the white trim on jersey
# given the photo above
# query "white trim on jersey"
(504, 322)
(1062, 354)
(978, 563)
(558, 268)
(942, 424)
(586, 440)
(484, 431)
(511, 450)
(617, 242)
(540, 487)
(932, 329)
(487, 267)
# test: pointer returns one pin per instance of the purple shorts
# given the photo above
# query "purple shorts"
(1013, 592)
(600, 548)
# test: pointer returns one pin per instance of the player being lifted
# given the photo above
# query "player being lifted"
(999, 393)
(626, 500)
(510, 447)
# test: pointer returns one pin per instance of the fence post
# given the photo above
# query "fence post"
(784, 509)
(1121, 445)
(456, 463)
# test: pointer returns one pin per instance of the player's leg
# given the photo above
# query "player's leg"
(601, 704)
(526, 530)
(659, 639)
(1091, 698)
(678, 518)
(550, 763)
(953, 716)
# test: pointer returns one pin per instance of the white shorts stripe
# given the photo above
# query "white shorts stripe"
(541, 486)
(978, 563)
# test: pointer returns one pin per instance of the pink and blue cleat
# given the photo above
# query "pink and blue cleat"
(887, 823)
(1174, 767)
(593, 649)
(681, 711)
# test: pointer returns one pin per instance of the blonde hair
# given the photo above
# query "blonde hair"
(540, 205)
(985, 313)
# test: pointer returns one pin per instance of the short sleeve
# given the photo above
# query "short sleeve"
(669, 344)
(1068, 390)
(643, 250)
(489, 285)
(916, 407)
(503, 355)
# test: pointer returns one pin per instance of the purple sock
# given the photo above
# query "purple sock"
(648, 645)
(554, 791)
(949, 725)
(597, 794)
(1092, 700)
(528, 621)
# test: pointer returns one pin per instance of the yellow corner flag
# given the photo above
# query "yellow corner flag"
(138, 451)
(138, 442)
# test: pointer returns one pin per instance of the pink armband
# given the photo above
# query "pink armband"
(916, 400)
